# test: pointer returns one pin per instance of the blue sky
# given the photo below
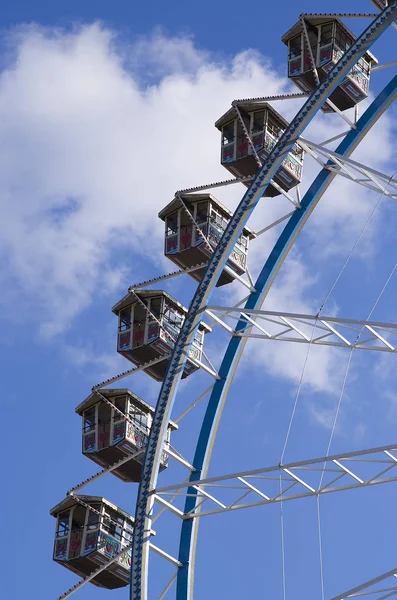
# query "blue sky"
(105, 110)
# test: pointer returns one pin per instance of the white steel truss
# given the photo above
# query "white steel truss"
(304, 479)
(381, 587)
(351, 169)
(309, 329)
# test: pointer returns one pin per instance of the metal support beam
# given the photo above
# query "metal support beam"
(340, 113)
(165, 555)
(280, 220)
(303, 479)
(381, 587)
(309, 329)
(167, 587)
(193, 404)
(351, 169)
(334, 138)
(384, 66)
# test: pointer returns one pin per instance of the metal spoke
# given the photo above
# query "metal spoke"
(280, 220)
(385, 65)
(165, 555)
(193, 404)
(167, 587)
(204, 367)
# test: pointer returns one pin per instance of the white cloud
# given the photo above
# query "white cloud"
(96, 137)
(89, 157)
(158, 55)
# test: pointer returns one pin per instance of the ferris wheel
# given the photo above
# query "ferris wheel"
(134, 441)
